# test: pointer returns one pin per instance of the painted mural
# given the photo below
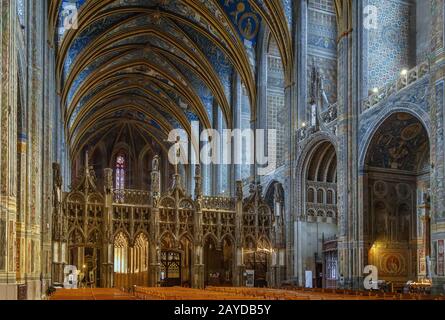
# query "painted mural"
(400, 143)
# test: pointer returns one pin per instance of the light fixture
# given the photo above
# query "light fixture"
(404, 72)
(375, 90)
(303, 124)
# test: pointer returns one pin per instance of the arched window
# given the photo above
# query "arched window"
(310, 195)
(120, 172)
(330, 197)
(320, 196)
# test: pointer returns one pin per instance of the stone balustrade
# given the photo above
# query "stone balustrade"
(404, 81)
(219, 203)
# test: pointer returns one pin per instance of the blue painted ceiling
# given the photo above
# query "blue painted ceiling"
(159, 55)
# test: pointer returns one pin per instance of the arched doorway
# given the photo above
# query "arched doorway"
(186, 261)
(212, 262)
(121, 245)
(228, 250)
(170, 262)
(218, 262)
(275, 199)
(131, 261)
(319, 230)
(257, 260)
(397, 176)
(140, 261)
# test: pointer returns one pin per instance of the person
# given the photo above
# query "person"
(342, 280)
(71, 279)
(91, 278)
(82, 279)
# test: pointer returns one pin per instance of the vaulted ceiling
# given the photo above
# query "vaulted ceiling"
(161, 63)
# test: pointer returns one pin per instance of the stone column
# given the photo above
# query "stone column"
(348, 251)
(107, 270)
(198, 251)
(424, 243)
(8, 151)
(293, 227)
(240, 268)
(279, 244)
(436, 102)
(47, 151)
(301, 61)
(57, 227)
(154, 243)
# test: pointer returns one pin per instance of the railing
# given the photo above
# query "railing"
(401, 83)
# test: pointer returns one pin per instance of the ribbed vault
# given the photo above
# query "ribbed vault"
(323, 164)
(166, 63)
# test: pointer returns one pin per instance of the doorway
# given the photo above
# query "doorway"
(170, 268)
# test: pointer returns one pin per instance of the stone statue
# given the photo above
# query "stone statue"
(278, 193)
(92, 174)
(57, 184)
(325, 99)
(155, 163)
(259, 190)
(198, 170)
(252, 189)
(315, 85)
(177, 182)
(198, 181)
(57, 177)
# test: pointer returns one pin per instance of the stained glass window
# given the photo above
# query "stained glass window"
(120, 173)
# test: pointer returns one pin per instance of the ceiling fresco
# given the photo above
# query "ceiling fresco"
(401, 143)
(173, 61)
(246, 21)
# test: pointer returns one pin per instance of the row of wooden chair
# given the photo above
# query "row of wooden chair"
(369, 294)
(90, 294)
(179, 293)
(233, 293)
(281, 294)
(321, 294)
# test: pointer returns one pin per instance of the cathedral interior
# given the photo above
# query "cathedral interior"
(91, 91)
